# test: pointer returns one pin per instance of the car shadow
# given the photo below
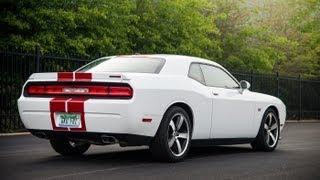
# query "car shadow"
(133, 156)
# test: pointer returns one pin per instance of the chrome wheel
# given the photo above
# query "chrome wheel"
(178, 134)
(173, 138)
(271, 128)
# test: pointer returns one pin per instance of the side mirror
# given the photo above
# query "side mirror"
(244, 85)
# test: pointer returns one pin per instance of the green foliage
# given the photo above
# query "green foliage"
(304, 32)
(66, 26)
(176, 27)
(273, 36)
(251, 49)
(245, 46)
(245, 35)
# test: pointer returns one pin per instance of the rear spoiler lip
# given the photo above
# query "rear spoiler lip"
(43, 76)
(54, 76)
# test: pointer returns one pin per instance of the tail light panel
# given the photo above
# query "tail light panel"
(72, 89)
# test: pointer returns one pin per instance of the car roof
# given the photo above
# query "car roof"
(175, 64)
(174, 57)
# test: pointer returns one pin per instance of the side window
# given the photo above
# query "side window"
(196, 73)
(216, 77)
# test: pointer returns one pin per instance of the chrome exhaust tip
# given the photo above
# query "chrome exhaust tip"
(108, 139)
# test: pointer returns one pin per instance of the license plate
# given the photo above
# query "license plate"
(68, 120)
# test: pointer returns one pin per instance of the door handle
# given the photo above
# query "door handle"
(215, 93)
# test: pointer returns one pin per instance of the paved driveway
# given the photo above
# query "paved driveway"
(297, 157)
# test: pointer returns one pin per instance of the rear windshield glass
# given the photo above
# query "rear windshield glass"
(125, 64)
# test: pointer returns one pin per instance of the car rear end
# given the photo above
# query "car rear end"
(88, 105)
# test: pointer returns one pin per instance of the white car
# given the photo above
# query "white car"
(168, 102)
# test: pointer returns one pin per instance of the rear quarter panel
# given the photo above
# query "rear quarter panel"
(154, 94)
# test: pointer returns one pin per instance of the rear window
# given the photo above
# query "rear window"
(125, 64)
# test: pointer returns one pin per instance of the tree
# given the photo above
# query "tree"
(264, 36)
(176, 27)
(68, 26)
(245, 45)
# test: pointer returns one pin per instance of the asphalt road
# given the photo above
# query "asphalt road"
(297, 157)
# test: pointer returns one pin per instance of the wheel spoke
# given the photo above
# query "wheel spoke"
(183, 135)
(173, 126)
(171, 141)
(273, 138)
(274, 126)
(268, 138)
(178, 134)
(180, 122)
(265, 126)
(178, 146)
(270, 119)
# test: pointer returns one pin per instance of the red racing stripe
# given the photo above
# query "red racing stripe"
(57, 105)
(65, 76)
(74, 105)
(83, 76)
(77, 105)
(68, 76)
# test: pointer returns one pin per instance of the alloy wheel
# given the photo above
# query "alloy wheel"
(178, 134)
(271, 129)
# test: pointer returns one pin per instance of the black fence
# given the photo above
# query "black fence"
(16, 66)
(301, 96)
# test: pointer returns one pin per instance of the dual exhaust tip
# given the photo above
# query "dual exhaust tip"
(105, 139)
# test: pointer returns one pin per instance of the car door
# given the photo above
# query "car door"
(232, 111)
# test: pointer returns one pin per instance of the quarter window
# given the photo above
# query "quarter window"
(216, 77)
(196, 73)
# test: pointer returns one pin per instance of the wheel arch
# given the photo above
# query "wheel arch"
(185, 107)
(273, 107)
(259, 141)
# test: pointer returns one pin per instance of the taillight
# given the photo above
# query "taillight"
(80, 90)
(120, 91)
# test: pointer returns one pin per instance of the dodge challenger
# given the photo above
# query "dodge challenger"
(167, 102)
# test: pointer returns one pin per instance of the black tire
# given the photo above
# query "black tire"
(69, 148)
(180, 135)
(264, 141)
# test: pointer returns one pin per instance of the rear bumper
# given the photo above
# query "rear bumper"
(100, 116)
(94, 138)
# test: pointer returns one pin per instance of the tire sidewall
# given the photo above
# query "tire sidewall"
(164, 129)
(262, 132)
